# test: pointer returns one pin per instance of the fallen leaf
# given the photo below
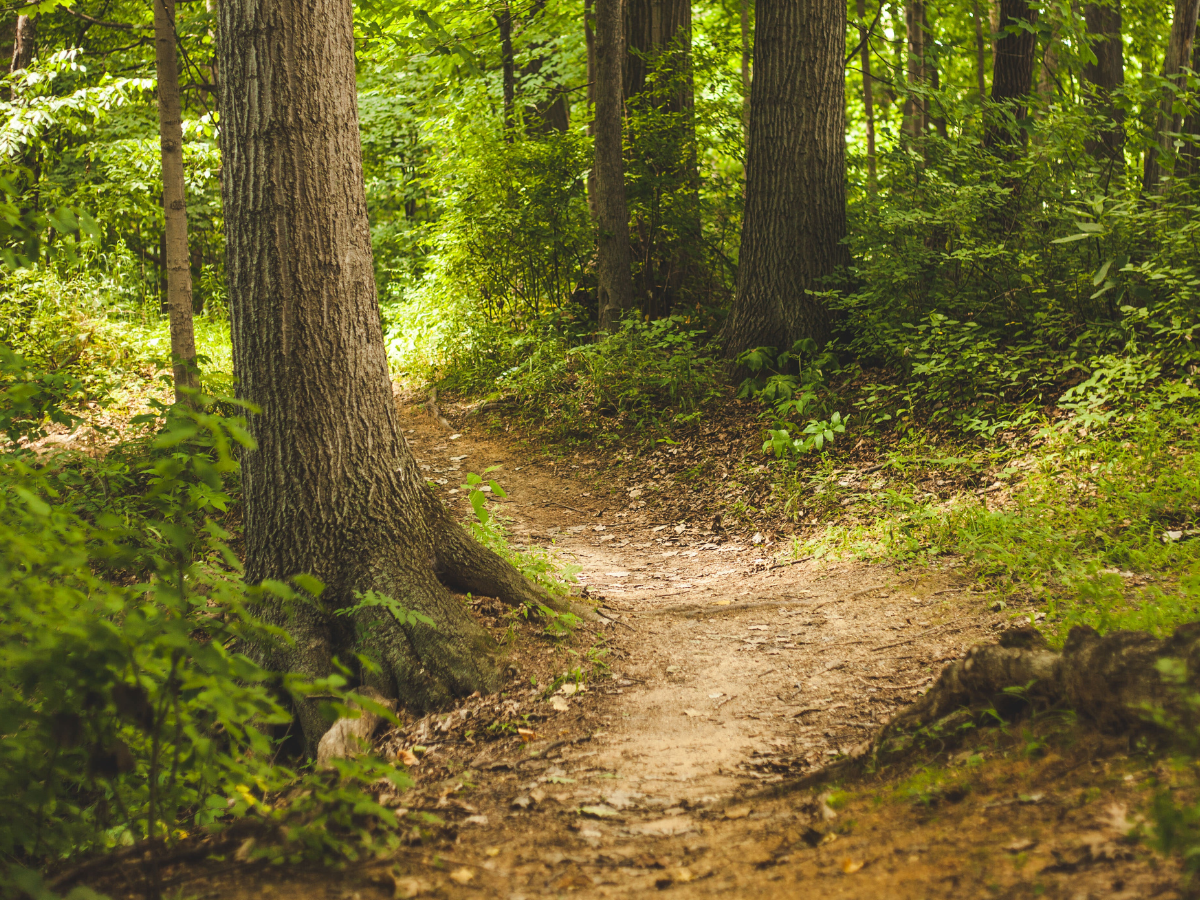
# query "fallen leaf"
(462, 876)
(715, 694)
(1115, 817)
(1020, 846)
(722, 603)
(492, 851)
(599, 811)
(407, 757)
(737, 812)
(569, 689)
(475, 820)
(850, 866)
(559, 704)
(526, 734)
(758, 538)
(692, 712)
(671, 825)
(409, 887)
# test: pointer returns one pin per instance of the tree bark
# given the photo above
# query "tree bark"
(589, 38)
(1189, 156)
(868, 100)
(1179, 51)
(331, 489)
(795, 216)
(980, 56)
(176, 256)
(23, 43)
(1012, 71)
(1105, 75)
(615, 291)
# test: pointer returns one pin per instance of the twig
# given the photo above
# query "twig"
(916, 636)
(792, 563)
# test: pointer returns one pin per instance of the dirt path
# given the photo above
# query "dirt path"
(730, 674)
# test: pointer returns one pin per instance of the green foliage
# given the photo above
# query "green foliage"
(131, 707)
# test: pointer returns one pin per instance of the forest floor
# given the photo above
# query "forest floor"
(680, 754)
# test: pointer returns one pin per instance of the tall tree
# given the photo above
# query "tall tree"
(1105, 76)
(549, 112)
(864, 37)
(331, 488)
(745, 21)
(508, 71)
(615, 289)
(24, 41)
(1012, 68)
(1179, 51)
(662, 167)
(1189, 161)
(980, 54)
(795, 216)
(916, 107)
(176, 259)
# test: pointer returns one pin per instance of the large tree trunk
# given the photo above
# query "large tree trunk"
(615, 291)
(331, 489)
(795, 215)
(868, 104)
(1179, 51)
(1105, 75)
(1012, 71)
(175, 252)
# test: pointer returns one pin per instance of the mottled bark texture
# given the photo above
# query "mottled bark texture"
(1189, 156)
(175, 252)
(666, 217)
(1160, 158)
(1109, 681)
(1012, 72)
(332, 489)
(795, 216)
(746, 52)
(615, 289)
(1105, 76)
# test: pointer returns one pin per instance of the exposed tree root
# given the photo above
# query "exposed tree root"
(1111, 682)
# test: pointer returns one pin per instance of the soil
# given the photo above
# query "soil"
(684, 755)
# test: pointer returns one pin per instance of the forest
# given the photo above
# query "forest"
(600, 447)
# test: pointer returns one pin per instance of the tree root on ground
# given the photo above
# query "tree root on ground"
(1112, 682)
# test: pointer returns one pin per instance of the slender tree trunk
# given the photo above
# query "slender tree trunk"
(667, 220)
(916, 107)
(1179, 51)
(331, 488)
(980, 55)
(1012, 70)
(507, 67)
(550, 112)
(175, 250)
(795, 216)
(1105, 75)
(589, 37)
(23, 43)
(746, 76)
(615, 292)
(868, 100)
